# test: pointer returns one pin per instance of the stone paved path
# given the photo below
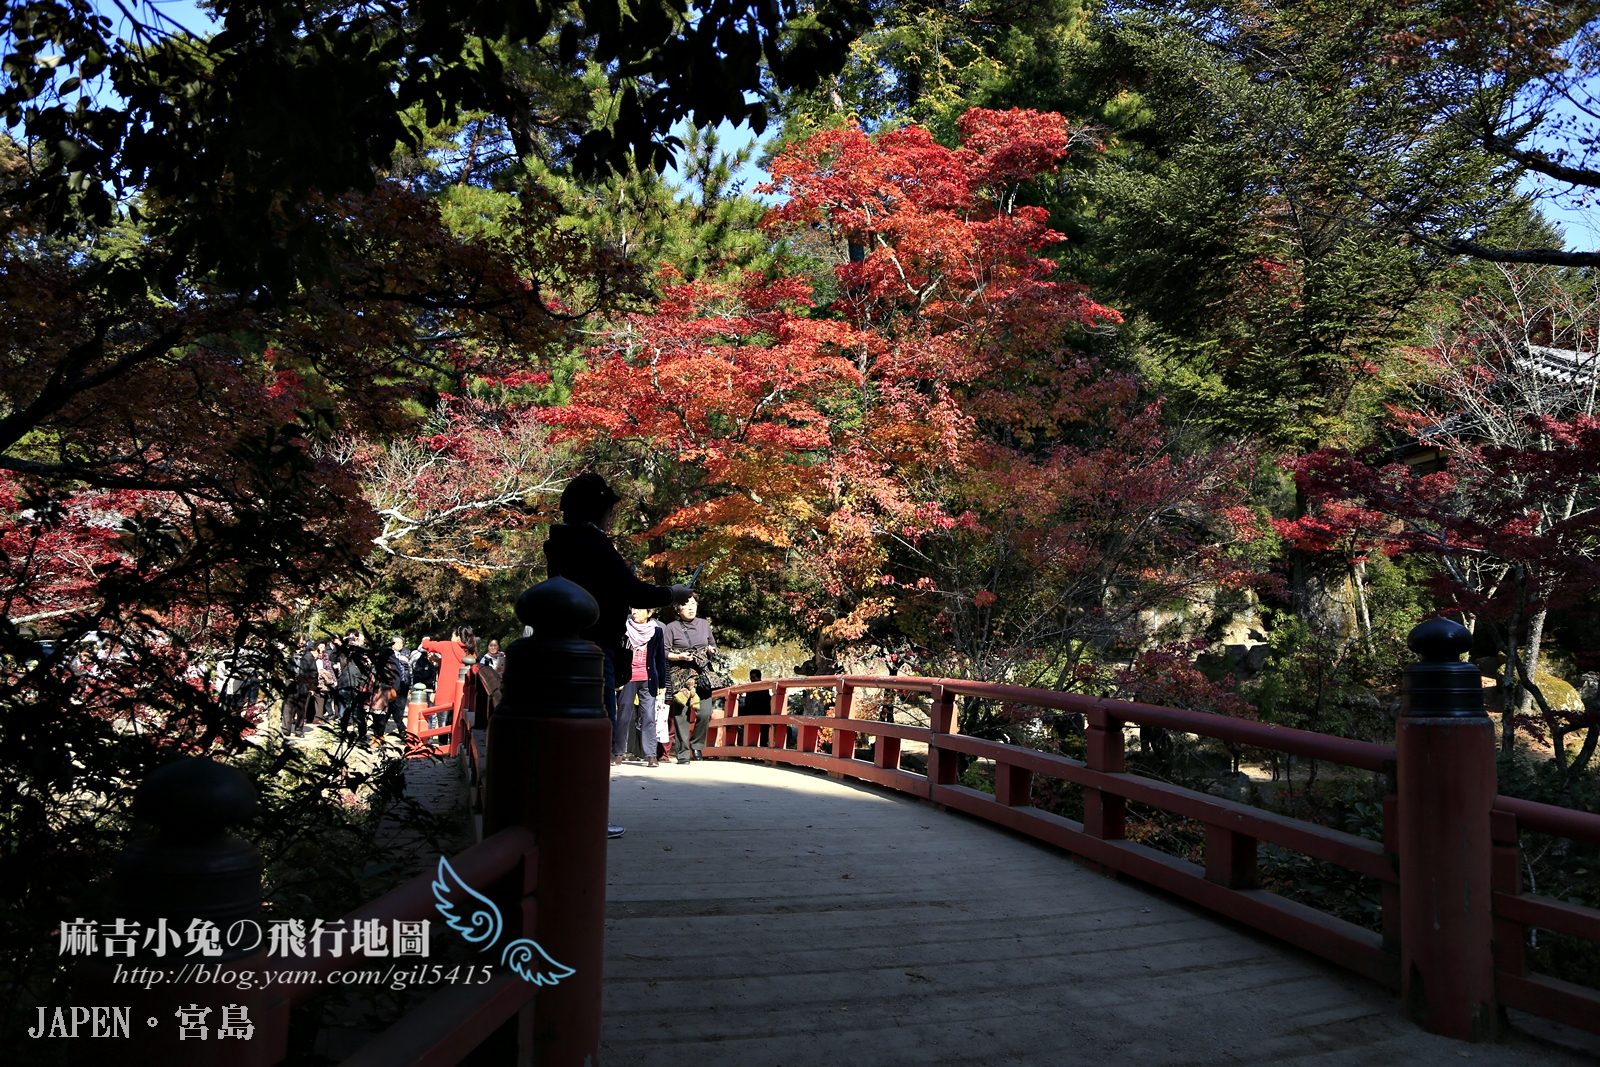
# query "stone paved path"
(437, 785)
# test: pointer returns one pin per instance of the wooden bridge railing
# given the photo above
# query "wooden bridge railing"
(546, 795)
(1516, 912)
(1455, 962)
(457, 700)
(1453, 947)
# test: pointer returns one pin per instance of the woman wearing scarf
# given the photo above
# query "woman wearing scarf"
(646, 651)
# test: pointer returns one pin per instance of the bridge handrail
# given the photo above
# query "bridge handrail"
(1515, 911)
(512, 850)
(1363, 755)
(1228, 878)
(1552, 819)
(460, 698)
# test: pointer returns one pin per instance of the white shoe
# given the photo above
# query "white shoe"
(615, 831)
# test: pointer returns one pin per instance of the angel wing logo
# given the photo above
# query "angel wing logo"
(477, 919)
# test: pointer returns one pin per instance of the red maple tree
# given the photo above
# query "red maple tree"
(1508, 404)
(932, 450)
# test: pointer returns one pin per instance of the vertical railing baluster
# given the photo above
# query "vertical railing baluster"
(1230, 858)
(1104, 814)
(780, 706)
(886, 753)
(844, 741)
(944, 766)
(1013, 785)
(1505, 876)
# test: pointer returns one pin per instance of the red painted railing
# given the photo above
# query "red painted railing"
(1515, 912)
(545, 793)
(1226, 882)
(451, 1022)
(461, 700)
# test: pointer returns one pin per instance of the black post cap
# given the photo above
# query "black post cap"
(1441, 686)
(1440, 640)
(195, 797)
(555, 673)
(557, 609)
(193, 869)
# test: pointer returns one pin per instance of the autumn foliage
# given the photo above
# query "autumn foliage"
(935, 450)
(1503, 512)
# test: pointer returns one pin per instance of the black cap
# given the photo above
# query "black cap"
(587, 498)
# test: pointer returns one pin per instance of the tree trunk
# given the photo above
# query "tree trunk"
(1363, 616)
(1508, 685)
(1530, 660)
(1580, 762)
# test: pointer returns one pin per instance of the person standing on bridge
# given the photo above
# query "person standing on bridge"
(394, 688)
(580, 551)
(647, 674)
(690, 644)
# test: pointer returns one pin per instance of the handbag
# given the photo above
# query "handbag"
(711, 677)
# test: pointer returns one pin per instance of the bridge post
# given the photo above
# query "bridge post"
(943, 767)
(548, 769)
(1105, 815)
(1446, 786)
(193, 870)
(844, 741)
(780, 706)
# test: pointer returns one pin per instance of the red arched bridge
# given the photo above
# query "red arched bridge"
(757, 916)
(759, 913)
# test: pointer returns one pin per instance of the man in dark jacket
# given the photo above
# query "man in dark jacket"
(354, 691)
(297, 702)
(394, 679)
(580, 551)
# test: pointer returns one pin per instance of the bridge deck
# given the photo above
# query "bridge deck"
(763, 917)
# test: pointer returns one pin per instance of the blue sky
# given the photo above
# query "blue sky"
(1579, 225)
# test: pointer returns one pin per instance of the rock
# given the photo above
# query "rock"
(1558, 693)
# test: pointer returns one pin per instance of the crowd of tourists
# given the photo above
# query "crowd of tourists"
(350, 686)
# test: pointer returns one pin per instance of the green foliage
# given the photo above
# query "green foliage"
(707, 226)
(1306, 683)
(979, 776)
(1333, 679)
(1398, 597)
(928, 62)
(1346, 805)
(1254, 213)
(216, 129)
(1266, 206)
